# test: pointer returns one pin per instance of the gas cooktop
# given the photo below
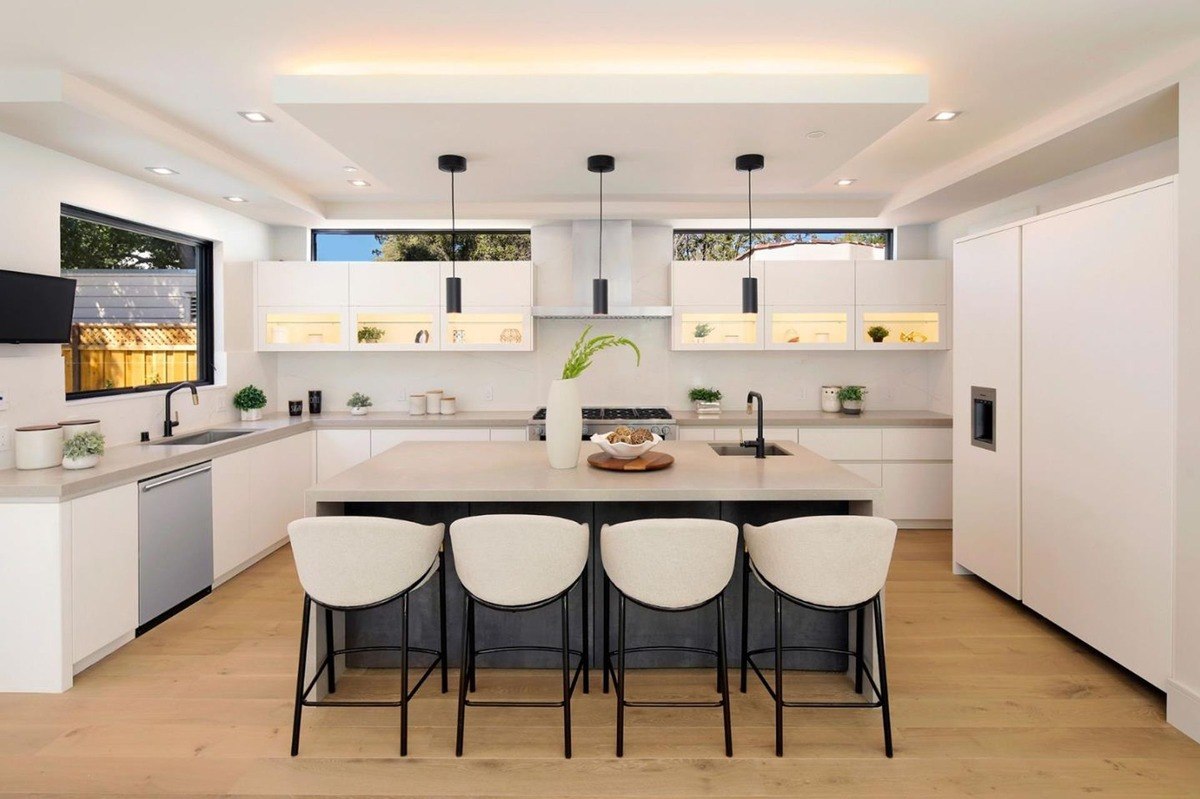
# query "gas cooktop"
(616, 414)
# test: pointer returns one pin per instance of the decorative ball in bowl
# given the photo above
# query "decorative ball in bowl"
(625, 443)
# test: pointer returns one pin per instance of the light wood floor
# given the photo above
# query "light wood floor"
(988, 700)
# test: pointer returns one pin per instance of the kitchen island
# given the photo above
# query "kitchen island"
(430, 482)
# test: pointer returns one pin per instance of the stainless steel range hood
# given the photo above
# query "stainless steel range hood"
(618, 268)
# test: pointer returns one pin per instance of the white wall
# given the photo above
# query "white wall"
(520, 381)
(35, 181)
(1183, 692)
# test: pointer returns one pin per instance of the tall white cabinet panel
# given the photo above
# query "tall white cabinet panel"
(280, 473)
(233, 541)
(987, 334)
(1098, 313)
(104, 569)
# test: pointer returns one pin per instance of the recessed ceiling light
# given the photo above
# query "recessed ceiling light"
(846, 181)
(254, 116)
(349, 169)
(815, 134)
(161, 170)
(944, 116)
(235, 199)
(358, 183)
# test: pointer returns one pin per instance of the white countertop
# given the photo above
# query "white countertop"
(868, 418)
(519, 472)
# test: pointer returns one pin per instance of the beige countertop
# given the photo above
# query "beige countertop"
(126, 463)
(519, 472)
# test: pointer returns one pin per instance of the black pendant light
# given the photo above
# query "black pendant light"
(453, 164)
(749, 164)
(600, 164)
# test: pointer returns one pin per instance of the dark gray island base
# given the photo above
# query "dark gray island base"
(646, 627)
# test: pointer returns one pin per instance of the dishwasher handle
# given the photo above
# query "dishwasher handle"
(150, 485)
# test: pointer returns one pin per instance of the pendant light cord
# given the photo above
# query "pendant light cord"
(453, 232)
(750, 222)
(601, 225)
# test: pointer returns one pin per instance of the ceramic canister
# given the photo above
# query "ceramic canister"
(73, 427)
(416, 404)
(449, 406)
(433, 401)
(38, 447)
(829, 399)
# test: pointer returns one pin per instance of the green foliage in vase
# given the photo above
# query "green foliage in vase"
(704, 395)
(703, 330)
(586, 348)
(851, 393)
(370, 335)
(358, 401)
(250, 398)
(82, 445)
(878, 333)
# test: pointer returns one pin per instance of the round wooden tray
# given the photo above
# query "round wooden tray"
(650, 462)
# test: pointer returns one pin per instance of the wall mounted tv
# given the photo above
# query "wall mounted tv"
(35, 309)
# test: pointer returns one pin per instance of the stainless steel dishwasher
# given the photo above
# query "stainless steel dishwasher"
(175, 542)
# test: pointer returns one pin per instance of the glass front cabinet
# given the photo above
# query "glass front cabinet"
(497, 309)
(706, 298)
(302, 328)
(809, 305)
(810, 328)
(902, 305)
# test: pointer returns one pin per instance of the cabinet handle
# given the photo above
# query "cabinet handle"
(205, 467)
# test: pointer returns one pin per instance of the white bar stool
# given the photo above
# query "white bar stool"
(826, 563)
(672, 566)
(514, 563)
(358, 562)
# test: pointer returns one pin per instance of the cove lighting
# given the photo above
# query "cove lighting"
(254, 116)
(944, 116)
(161, 170)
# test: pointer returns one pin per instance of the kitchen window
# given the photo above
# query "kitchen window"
(419, 245)
(783, 245)
(143, 305)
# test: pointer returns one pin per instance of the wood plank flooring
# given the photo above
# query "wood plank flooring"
(988, 700)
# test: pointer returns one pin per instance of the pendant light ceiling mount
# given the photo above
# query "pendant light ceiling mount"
(749, 163)
(600, 164)
(453, 164)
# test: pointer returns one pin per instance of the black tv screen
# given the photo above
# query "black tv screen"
(35, 309)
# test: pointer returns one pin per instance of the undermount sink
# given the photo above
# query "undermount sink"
(200, 439)
(736, 449)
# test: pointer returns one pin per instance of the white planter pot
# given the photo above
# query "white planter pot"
(252, 415)
(86, 462)
(852, 407)
(564, 424)
(358, 411)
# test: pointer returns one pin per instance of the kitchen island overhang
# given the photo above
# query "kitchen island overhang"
(431, 482)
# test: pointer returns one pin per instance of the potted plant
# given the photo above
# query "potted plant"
(370, 335)
(851, 398)
(83, 450)
(250, 401)
(564, 416)
(702, 331)
(878, 333)
(358, 404)
(706, 400)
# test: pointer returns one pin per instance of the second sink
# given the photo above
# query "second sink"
(200, 439)
(736, 449)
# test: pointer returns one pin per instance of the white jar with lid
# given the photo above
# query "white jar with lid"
(433, 402)
(38, 447)
(829, 399)
(73, 427)
(416, 404)
(449, 406)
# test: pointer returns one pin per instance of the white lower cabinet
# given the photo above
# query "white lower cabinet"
(338, 450)
(844, 444)
(104, 569)
(383, 440)
(233, 542)
(867, 471)
(509, 434)
(916, 491)
(689, 433)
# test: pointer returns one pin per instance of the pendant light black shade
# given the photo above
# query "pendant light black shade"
(749, 163)
(453, 164)
(600, 164)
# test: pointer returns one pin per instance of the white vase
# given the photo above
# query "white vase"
(564, 424)
(86, 462)
(252, 415)
(358, 411)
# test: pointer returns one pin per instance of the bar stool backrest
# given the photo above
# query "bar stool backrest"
(669, 563)
(353, 561)
(516, 559)
(833, 561)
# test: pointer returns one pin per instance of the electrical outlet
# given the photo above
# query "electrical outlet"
(488, 393)
(3, 400)
(5, 438)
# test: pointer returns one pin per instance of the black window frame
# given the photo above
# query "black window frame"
(314, 255)
(889, 253)
(205, 321)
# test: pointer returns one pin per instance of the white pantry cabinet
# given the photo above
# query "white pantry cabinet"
(104, 570)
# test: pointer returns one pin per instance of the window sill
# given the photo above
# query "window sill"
(74, 403)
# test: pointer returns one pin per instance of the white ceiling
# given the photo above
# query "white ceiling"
(164, 80)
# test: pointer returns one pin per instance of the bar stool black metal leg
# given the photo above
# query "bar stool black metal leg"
(329, 650)
(442, 620)
(464, 667)
(404, 676)
(859, 617)
(585, 648)
(723, 668)
(606, 639)
(471, 660)
(566, 673)
(300, 677)
(883, 686)
(620, 676)
(778, 675)
(745, 616)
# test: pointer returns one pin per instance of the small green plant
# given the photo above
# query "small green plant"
(703, 330)
(878, 333)
(851, 393)
(358, 401)
(586, 348)
(370, 335)
(704, 395)
(250, 398)
(82, 445)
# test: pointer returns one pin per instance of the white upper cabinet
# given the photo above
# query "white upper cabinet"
(295, 284)
(809, 305)
(497, 301)
(810, 282)
(707, 306)
(902, 305)
(712, 283)
(490, 284)
(902, 282)
(395, 283)
(394, 305)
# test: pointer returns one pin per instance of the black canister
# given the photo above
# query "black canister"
(295, 407)
(314, 402)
